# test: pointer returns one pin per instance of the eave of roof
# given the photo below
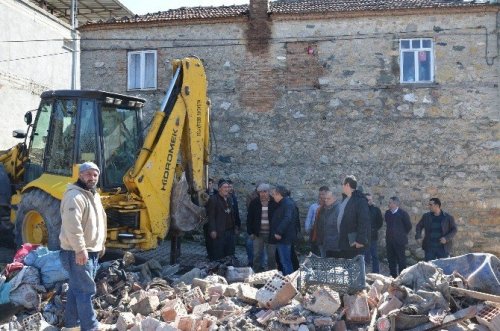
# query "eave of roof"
(290, 9)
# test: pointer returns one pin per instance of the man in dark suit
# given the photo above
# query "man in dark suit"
(396, 236)
(352, 222)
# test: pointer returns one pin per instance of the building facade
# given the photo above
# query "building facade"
(35, 55)
(402, 94)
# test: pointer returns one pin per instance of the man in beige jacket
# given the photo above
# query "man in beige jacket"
(83, 233)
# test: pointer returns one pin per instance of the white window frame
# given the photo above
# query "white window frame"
(416, 51)
(142, 70)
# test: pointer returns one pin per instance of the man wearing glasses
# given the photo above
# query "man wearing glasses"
(439, 229)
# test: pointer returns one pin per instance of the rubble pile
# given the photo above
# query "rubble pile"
(221, 296)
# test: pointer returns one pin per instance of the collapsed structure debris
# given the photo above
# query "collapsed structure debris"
(325, 294)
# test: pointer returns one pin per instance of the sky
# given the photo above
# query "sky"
(150, 6)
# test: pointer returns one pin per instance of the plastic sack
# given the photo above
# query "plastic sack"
(25, 287)
(24, 251)
(49, 264)
(482, 270)
(185, 215)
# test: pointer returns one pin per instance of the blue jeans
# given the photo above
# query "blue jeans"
(79, 310)
(371, 256)
(249, 248)
(285, 256)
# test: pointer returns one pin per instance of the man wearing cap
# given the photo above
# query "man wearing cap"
(222, 226)
(260, 211)
(82, 237)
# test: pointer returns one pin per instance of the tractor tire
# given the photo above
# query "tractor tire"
(38, 219)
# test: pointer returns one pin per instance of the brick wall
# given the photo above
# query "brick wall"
(320, 98)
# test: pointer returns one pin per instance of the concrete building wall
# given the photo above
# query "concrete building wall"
(32, 60)
(311, 100)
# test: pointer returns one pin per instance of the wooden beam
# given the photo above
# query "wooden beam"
(475, 294)
(449, 319)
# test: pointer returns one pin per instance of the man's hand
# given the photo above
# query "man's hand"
(357, 245)
(102, 252)
(81, 257)
(419, 241)
(252, 236)
(213, 234)
(277, 236)
(442, 240)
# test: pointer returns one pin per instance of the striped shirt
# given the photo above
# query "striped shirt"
(264, 222)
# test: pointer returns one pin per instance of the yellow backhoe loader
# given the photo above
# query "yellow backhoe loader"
(148, 186)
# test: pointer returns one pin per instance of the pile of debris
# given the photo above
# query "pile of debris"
(325, 294)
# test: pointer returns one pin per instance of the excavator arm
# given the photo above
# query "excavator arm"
(179, 128)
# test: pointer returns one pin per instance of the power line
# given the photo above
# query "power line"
(33, 57)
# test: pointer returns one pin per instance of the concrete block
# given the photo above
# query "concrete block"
(277, 292)
(201, 309)
(232, 290)
(150, 324)
(323, 301)
(203, 284)
(247, 294)
(260, 278)
(489, 316)
(172, 309)
(146, 306)
(125, 321)
(389, 305)
(165, 327)
(234, 274)
(357, 309)
(216, 289)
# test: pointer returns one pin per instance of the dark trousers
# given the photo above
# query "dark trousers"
(396, 258)
(342, 254)
(437, 252)
(315, 248)
(222, 246)
(371, 256)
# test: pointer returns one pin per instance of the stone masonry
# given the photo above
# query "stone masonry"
(321, 99)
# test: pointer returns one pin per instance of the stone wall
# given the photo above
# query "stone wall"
(322, 99)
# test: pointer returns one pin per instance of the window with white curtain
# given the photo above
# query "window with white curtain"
(142, 70)
(416, 59)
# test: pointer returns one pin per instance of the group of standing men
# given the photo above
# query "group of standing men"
(330, 238)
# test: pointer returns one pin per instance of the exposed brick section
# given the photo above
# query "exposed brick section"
(489, 316)
(303, 66)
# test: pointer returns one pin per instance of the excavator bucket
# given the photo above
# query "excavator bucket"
(185, 215)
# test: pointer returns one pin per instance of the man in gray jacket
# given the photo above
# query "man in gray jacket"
(327, 226)
(83, 233)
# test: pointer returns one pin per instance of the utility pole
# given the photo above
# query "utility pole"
(74, 35)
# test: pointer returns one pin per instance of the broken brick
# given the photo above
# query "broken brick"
(323, 301)
(277, 292)
(201, 309)
(247, 294)
(146, 306)
(389, 305)
(172, 309)
(489, 316)
(357, 309)
(125, 321)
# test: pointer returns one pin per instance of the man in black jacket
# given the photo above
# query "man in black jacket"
(222, 225)
(260, 212)
(439, 229)
(396, 236)
(376, 222)
(352, 222)
(283, 227)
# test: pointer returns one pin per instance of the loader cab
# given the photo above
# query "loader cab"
(73, 126)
